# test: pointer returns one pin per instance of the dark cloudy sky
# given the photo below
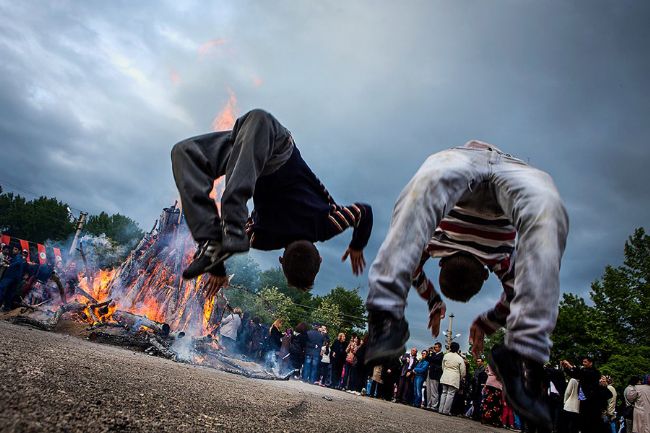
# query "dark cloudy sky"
(93, 94)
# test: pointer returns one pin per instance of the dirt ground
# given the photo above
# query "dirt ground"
(53, 382)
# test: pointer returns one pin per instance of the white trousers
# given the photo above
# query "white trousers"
(526, 195)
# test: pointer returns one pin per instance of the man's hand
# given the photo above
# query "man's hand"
(356, 259)
(476, 339)
(213, 284)
(436, 314)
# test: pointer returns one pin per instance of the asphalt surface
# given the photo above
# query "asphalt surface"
(51, 382)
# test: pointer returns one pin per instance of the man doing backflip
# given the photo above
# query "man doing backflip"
(292, 208)
(476, 206)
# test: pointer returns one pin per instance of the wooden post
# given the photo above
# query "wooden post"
(80, 223)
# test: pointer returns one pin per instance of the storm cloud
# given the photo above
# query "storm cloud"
(94, 94)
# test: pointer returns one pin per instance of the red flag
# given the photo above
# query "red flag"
(6, 239)
(42, 256)
(57, 255)
(25, 246)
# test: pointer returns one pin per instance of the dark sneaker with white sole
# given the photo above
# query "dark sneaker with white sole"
(209, 257)
(387, 337)
(523, 385)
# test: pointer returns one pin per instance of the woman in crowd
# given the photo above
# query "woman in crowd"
(284, 350)
(453, 370)
(492, 407)
(571, 413)
(337, 359)
(274, 342)
(325, 368)
(421, 371)
(639, 395)
(350, 369)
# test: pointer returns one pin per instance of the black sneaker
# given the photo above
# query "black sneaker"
(209, 257)
(522, 381)
(387, 337)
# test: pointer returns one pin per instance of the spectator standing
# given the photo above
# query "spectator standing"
(275, 336)
(478, 382)
(421, 372)
(556, 385)
(571, 413)
(593, 397)
(629, 406)
(610, 412)
(297, 347)
(405, 387)
(229, 328)
(639, 395)
(350, 372)
(284, 350)
(338, 359)
(453, 370)
(433, 378)
(4, 259)
(492, 407)
(325, 374)
(376, 389)
(315, 341)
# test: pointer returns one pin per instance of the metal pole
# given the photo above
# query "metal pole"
(449, 332)
(80, 224)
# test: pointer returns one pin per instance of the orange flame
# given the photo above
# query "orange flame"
(225, 120)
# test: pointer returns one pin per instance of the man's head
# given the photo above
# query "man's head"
(461, 276)
(414, 351)
(454, 347)
(25, 254)
(424, 354)
(437, 347)
(587, 362)
(300, 264)
(323, 329)
(15, 251)
(479, 362)
(5, 250)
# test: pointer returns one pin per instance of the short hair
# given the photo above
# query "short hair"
(454, 347)
(437, 343)
(300, 264)
(461, 276)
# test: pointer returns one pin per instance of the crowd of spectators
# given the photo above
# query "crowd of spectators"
(581, 399)
(22, 280)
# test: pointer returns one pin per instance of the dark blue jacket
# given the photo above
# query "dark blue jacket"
(315, 340)
(291, 204)
(16, 269)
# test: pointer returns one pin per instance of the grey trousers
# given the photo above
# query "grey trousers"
(432, 393)
(447, 398)
(258, 145)
(525, 194)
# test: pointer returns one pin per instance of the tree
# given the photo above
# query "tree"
(275, 278)
(245, 270)
(352, 310)
(328, 313)
(36, 220)
(615, 330)
(119, 228)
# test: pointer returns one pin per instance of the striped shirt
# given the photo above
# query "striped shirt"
(490, 239)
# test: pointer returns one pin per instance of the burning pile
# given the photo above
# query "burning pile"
(139, 304)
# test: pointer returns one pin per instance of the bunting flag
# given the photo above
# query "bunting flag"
(42, 256)
(57, 255)
(6, 239)
(25, 246)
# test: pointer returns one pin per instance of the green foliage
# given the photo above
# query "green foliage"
(616, 329)
(328, 313)
(35, 220)
(119, 228)
(245, 270)
(268, 304)
(351, 305)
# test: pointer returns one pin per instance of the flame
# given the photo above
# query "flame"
(225, 120)
(206, 47)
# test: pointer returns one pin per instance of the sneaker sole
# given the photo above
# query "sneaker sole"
(522, 410)
(209, 268)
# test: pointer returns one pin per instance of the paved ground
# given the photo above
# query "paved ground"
(52, 382)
